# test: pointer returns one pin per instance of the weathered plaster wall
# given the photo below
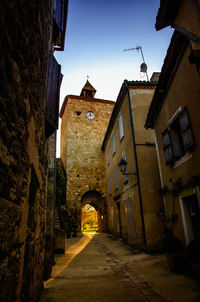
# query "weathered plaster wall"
(124, 145)
(81, 153)
(188, 18)
(183, 91)
(148, 167)
(25, 35)
(123, 202)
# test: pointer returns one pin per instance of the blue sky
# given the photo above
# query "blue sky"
(97, 32)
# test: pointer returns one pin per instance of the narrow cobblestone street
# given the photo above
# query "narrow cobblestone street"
(97, 268)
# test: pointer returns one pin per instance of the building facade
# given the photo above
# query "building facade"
(174, 116)
(84, 123)
(29, 31)
(133, 199)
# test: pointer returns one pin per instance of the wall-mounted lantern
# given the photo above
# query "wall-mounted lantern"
(123, 167)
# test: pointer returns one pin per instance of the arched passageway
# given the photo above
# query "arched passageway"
(89, 221)
(92, 203)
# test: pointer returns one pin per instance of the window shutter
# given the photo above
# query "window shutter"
(125, 176)
(116, 178)
(186, 131)
(167, 148)
(108, 156)
(53, 95)
(59, 23)
(121, 129)
(175, 143)
(59, 13)
(113, 143)
(110, 184)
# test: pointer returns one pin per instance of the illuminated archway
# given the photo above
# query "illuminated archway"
(89, 221)
(95, 200)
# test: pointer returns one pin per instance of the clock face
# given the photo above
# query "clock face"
(90, 115)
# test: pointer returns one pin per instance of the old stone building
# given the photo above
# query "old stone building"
(133, 198)
(29, 94)
(84, 123)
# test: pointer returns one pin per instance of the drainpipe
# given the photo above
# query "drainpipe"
(137, 169)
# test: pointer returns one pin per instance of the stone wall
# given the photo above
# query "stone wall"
(25, 43)
(81, 154)
(48, 261)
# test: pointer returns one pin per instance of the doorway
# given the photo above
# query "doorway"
(192, 215)
(119, 225)
(96, 202)
(89, 219)
(130, 221)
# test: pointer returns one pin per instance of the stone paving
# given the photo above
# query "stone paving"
(141, 290)
(95, 268)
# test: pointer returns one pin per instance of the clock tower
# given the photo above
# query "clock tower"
(88, 90)
(84, 123)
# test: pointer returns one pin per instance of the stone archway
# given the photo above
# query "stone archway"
(89, 221)
(95, 199)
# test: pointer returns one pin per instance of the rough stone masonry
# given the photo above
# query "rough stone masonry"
(24, 53)
(81, 139)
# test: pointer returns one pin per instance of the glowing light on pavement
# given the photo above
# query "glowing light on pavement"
(71, 252)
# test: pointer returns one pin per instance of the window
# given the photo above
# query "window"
(113, 143)
(178, 138)
(126, 171)
(110, 184)
(108, 156)
(116, 178)
(121, 129)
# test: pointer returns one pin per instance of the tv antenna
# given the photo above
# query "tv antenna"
(143, 66)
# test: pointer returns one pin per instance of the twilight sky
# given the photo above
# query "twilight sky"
(97, 32)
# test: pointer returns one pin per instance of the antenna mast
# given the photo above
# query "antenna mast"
(143, 66)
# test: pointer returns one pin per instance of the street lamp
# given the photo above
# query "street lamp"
(123, 167)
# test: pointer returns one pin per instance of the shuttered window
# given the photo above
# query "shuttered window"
(116, 178)
(110, 184)
(53, 95)
(121, 129)
(178, 138)
(108, 156)
(59, 23)
(186, 130)
(58, 13)
(113, 143)
(126, 171)
(167, 147)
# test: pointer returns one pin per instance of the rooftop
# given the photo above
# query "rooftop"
(119, 102)
(174, 54)
(167, 13)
